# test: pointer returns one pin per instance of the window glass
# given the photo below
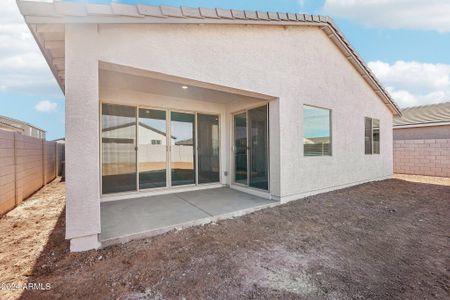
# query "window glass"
(372, 136)
(240, 151)
(152, 150)
(258, 143)
(376, 136)
(368, 136)
(208, 148)
(118, 148)
(317, 131)
(183, 148)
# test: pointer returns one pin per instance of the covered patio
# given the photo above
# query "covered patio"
(122, 221)
(177, 153)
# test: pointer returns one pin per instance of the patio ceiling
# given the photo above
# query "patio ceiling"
(116, 77)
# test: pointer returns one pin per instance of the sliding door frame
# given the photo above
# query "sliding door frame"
(169, 153)
(233, 164)
(233, 160)
(168, 112)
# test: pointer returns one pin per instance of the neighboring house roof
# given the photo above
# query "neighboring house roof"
(125, 125)
(50, 39)
(8, 126)
(188, 142)
(14, 122)
(62, 140)
(425, 115)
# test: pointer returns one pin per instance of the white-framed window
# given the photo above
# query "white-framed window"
(316, 131)
(371, 136)
(156, 142)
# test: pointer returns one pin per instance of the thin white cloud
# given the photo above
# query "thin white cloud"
(46, 106)
(22, 66)
(409, 14)
(414, 83)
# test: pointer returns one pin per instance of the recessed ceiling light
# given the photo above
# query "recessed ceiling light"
(184, 87)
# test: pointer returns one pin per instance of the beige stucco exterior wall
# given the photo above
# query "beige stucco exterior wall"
(298, 65)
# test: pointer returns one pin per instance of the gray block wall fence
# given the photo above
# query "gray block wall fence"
(430, 157)
(26, 165)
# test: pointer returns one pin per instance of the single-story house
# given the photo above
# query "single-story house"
(422, 140)
(247, 94)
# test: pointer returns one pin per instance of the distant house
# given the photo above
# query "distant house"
(10, 124)
(422, 140)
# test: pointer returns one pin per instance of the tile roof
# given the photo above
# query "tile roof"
(424, 115)
(60, 12)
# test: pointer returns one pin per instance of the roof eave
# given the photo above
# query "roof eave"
(47, 59)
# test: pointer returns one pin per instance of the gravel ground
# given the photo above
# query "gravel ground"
(380, 240)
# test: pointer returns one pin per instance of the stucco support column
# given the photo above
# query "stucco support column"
(82, 137)
(274, 149)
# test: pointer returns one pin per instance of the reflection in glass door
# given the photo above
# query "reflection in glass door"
(144, 148)
(257, 128)
(240, 148)
(208, 148)
(251, 148)
(182, 148)
(152, 152)
(118, 148)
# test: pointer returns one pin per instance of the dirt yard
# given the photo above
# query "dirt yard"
(382, 240)
(424, 179)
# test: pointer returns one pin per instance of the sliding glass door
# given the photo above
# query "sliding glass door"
(208, 148)
(251, 144)
(144, 148)
(152, 150)
(118, 148)
(240, 148)
(182, 148)
(258, 142)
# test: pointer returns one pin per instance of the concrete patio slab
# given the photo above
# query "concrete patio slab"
(125, 220)
(222, 200)
(124, 217)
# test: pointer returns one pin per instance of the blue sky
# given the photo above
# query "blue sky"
(406, 43)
